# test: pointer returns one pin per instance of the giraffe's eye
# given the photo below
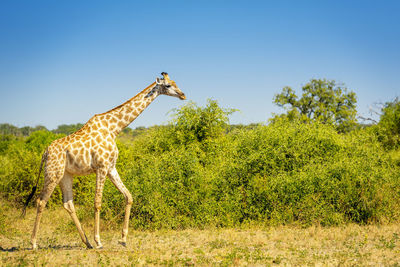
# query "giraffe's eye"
(168, 86)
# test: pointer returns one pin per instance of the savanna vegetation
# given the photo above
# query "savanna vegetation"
(60, 245)
(313, 165)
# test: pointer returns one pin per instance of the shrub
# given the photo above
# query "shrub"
(20, 164)
(199, 172)
(388, 128)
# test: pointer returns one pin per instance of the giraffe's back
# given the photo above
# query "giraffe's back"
(87, 150)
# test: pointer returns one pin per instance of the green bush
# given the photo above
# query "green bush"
(193, 123)
(198, 171)
(388, 128)
(20, 161)
(286, 172)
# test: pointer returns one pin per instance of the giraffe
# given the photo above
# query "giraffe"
(92, 149)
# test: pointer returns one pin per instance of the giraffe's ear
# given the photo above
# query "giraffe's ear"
(159, 81)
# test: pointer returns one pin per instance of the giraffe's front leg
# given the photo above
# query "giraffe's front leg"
(116, 180)
(100, 180)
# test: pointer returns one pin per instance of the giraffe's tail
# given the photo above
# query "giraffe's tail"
(44, 157)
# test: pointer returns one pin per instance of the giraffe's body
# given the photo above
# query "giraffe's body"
(92, 149)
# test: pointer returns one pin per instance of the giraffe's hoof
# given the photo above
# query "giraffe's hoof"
(122, 243)
(34, 245)
(89, 246)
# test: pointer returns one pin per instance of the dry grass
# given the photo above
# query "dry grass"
(59, 243)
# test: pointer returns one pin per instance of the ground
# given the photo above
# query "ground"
(59, 244)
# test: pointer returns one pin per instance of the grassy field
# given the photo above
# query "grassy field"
(59, 244)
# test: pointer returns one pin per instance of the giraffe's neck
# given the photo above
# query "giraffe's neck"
(121, 116)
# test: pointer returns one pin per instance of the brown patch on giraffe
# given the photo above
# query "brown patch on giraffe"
(93, 135)
(95, 127)
(103, 131)
(105, 123)
(98, 139)
(105, 146)
(100, 151)
(119, 116)
(129, 109)
(87, 144)
(121, 124)
(110, 147)
(113, 120)
(127, 118)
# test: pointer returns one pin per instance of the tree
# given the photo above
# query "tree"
(27, 130)
(388, 129)
(322, 100)
(192, 122)
(68, 128)
(6, 128)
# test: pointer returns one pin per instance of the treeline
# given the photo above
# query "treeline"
(200, 171)
(9, 129)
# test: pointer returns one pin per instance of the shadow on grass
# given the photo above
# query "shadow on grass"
(58, 247)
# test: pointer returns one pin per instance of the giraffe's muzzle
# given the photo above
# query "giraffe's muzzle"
(182, 96)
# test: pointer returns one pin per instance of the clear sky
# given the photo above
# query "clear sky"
(63, 61)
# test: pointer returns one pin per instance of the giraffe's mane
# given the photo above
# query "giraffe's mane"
(151, 85)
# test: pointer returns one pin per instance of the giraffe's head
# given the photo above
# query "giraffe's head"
(166, 86)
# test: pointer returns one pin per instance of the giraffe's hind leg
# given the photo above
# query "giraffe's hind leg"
(54, 171)
(66, 188)
(41, 202)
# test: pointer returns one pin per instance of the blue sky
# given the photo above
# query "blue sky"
(61, 62)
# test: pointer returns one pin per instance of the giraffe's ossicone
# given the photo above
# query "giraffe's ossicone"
(92, 149)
